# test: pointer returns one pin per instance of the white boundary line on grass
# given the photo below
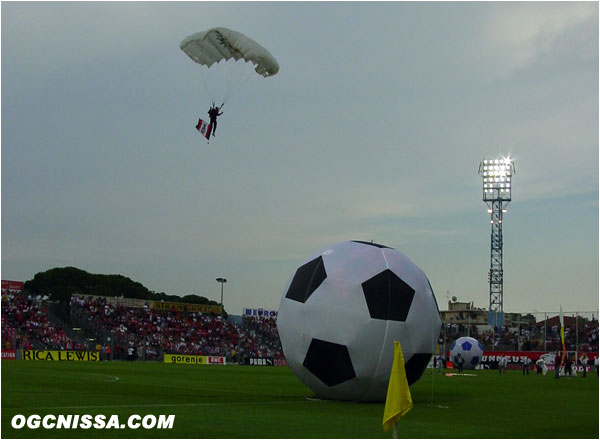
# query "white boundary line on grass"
(150, 405)
(114, 378)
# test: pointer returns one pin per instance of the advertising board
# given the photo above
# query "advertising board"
(14, 286)
(185, 307)
(194, 360)
(264, 361)
(9, 355)
(260, 313)
(62, 356)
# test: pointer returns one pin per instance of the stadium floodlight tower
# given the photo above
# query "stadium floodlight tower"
(497, 177)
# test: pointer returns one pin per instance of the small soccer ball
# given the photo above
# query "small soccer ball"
(341, 312)
(470, 349)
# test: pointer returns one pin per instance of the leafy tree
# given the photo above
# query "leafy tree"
(62, 282)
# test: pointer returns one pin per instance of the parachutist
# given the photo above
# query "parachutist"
(212, 49)
(213, 113)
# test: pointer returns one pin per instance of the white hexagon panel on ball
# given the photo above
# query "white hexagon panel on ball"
(341, 312)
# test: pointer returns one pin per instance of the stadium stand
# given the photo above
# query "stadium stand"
(123, 326)
(25, 325)
(260, 338)
(155, 332)
(530, 337)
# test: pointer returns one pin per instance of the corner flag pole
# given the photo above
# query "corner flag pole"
(398, 400)
(562, 338)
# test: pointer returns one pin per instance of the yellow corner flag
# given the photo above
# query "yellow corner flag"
(398, 401)
(562, 338)
(562, 327)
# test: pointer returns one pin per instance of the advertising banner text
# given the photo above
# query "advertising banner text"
(194, 360)
(63, 356)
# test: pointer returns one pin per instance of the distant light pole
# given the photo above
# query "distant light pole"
(222, 281)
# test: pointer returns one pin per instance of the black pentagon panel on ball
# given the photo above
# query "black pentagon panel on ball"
(387, 296)
(307, 279)
(370, 243)
(416, 366)
(329, 361)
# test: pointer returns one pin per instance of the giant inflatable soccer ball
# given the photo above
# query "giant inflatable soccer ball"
(470, 349)
(341, 312)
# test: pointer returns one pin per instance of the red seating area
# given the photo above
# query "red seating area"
(25, 325)
(531, 337)
(154, 332)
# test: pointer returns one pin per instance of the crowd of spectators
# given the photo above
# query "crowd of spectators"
(259, 337)
(155, 332)
(588, 336)
(25, 325)
(150, 333)
(585, 337)
(529, 337)
(120, 329)
(8, 336)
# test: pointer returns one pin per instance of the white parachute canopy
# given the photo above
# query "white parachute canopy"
(226, 58)
(220, 43)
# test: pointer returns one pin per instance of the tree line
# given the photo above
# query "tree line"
(62, 282)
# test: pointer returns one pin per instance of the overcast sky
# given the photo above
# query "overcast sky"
(372, 130)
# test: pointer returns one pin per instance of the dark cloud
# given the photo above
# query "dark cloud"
(372, 130)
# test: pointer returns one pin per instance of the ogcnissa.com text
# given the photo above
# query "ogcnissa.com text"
(88, 421)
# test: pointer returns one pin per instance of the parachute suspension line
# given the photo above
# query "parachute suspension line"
(249, 77)
(236, 77)
(225, 79)
(229, 79)
(217, 81)
(244, 81)
(207, 89)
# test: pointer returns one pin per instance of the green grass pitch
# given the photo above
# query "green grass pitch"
(269, 402)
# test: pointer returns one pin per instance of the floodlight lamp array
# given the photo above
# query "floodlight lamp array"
(497, 174)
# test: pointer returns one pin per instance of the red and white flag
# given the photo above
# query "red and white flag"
(203, 128)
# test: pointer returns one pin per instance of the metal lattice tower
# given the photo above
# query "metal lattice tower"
(497, 185)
